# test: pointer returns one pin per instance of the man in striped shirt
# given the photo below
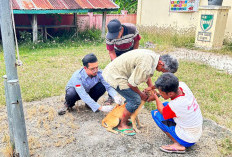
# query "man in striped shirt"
(121, 38)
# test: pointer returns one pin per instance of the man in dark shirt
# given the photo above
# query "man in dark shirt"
(121, 38)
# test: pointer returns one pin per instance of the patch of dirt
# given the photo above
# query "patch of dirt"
(80, 133)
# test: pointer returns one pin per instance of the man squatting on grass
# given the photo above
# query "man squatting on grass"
(129, 70)
(180, 119)
(87, 84)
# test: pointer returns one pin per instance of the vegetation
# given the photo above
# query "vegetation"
(48, 66)
(129, 5)
(166, 39)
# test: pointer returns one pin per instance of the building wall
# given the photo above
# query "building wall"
(156, 13)
(84, 21)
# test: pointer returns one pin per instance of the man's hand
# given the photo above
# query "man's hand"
(118, 99)
(143, 96)
(148, 90)
(152, 97)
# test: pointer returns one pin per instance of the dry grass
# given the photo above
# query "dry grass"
(8, 150)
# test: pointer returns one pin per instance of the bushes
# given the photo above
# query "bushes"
(61, 38)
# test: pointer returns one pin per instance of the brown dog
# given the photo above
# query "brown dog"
(113, 118)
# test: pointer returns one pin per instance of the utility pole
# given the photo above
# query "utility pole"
(12, 89)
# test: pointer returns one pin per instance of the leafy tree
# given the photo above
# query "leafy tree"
(129, 5)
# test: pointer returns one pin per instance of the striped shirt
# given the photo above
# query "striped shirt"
(126, 42)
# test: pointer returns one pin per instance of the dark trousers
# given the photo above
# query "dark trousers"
(118, 53)
(95, 93)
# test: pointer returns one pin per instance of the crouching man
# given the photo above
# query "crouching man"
(180, 119)
(126, 72)
(87, 84)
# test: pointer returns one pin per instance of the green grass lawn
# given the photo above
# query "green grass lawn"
(45, 72)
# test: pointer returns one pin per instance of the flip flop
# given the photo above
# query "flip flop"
(172, 150)
(129, 123)
(125, 133)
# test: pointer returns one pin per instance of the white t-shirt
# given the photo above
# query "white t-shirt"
(188, 115)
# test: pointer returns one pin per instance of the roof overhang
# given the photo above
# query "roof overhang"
(66, 11)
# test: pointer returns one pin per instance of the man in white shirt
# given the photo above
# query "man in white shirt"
(180, 119)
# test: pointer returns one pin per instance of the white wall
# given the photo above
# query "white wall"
(156, 13)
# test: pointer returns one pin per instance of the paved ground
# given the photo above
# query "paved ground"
(80, 133)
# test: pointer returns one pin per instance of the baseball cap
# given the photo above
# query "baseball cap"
(114, 26)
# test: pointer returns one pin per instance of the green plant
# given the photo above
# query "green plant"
(25, 37)
(225, 146)
(167, 37)
(129, 5)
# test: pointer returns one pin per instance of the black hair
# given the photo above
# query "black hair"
(170, 63)
(89, 58)
(167, 82)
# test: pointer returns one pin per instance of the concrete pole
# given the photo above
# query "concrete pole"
(103, 24)
(9, 113)
(34, 28)
(13, 88)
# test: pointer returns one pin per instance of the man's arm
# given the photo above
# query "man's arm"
(136, 89)
(149, 83)
(112, 54)
(159, 104)
(85, 97)
(136, 44)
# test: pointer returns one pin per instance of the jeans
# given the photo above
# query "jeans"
(133, 99)
(168, 126)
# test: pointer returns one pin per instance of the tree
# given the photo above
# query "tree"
(129, 5)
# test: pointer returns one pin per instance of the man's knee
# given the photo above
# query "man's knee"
(71, 96)
(132, 105)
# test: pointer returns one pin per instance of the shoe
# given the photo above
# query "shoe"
(63, 110)
(109, 101)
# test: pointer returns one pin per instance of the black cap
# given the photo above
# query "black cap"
(114, 26)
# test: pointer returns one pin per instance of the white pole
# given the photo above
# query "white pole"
(14, 94)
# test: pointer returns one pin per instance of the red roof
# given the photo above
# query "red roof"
(62, 4)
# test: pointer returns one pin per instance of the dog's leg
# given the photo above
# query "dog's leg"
(111, 130)
(134, 116)
(133, 120)
(138, 122)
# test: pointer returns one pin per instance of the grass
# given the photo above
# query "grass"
(46, 71)
(166, 39)
(225, 146)
(48, 66)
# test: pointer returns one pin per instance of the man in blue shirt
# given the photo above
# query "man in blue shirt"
(87, 84)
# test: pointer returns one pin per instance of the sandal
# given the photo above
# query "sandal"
(172, 150)
(123, 131)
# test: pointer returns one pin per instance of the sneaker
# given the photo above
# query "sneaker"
(109, 101)
(63, 110)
